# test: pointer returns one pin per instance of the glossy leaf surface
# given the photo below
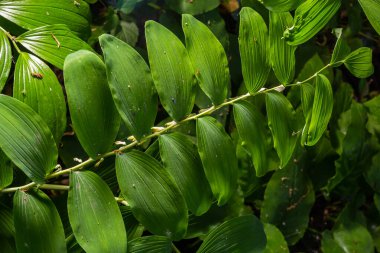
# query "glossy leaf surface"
(151, 193)
(275, 240)
(6, 170)
(94, 214)
(5, 58)
(359, 62)
(93, 113)
(151, 244)
(131, 85)
(371, 9)
(26, 139)
(192, 7)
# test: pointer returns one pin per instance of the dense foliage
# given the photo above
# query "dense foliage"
(189, 126)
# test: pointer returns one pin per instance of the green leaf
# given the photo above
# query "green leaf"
(218, 157)
(282, 54)
(359, 62)
(94, 116)
(133, 228)
(6, 170)
(153, 196)
(281, 5)
(26, 139)
(193, 7)
(208, 58)
(129, 32)
(52, 43)
(131, 85)
(30, 14)
(36, 85)
(241, 234)
(281, 121)
(318, 118)
(371, 9)
(7, 228)
(275, 240)
(341, 49)
(353, 237)
(328, 244)
(181, 159)
(151, 244)
(250, 125)
(37, 222)
(310, 17)
(307, 99)
(94, 214)
(288, 199)
(5, 58)
(172, 72)
(254, 49)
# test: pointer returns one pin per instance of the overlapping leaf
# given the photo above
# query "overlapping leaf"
(151, 244)
(131, 85)
(26, 139)
(6, 170)
(192, 7)
(240, 234)
(281, 120)
(282, 54)
(153, 196)
(93, 112)
(371, 9)
(208, 59)
(310, 17)
(52, 43)
(31, 14)
(275, 240)
(359, 62)
(172, 72)
(341, 49)
(5, 58)
(37, 222)
(254, 49)
(36, 85)
(94, 215)
(281, 5)
(218, 156)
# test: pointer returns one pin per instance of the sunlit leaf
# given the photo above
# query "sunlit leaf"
(208, 58)
(52, 43)
(151, 244)
(218, 156)
(254, 49)
(310, 17)
(275, 240)
(371, 9)
(172, 72)
(131, 85)
(359, 62)
(93, 113)
(94, 215)
(192, 7)
(36, 85)
(281, 5)
(181, 159)
(37, 222)
(5, 58)
(26, 139)
(341, 49)
(353, 237)
(6, 170)
(241, 234)
(151, 193)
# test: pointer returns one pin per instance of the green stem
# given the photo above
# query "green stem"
(13, 39)
(121, 201)
(54, 187)
(175, 249)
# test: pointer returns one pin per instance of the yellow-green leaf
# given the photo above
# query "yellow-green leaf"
(359, 62)
(371, 9)
(275, 240)
(6, 170)
(192, 7)
(281, 5)
(341, 49)
(151, 244)
(5, 58)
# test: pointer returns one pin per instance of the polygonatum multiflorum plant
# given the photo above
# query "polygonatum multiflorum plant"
(164, 150)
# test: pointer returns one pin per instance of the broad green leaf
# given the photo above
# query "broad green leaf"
(94, 215)
(37, 222)
(282, 54)
(5, 58)
(281, 121)
(133, 228)
(6, 170)
(126, 6)
(151, 244)
(52, 43)
(341, 49)
(307, 99)
(172, 72)
(288, 199)
(181, 159)
(208, 59)
(26, 139)
(328, 244)
(275, 240)
(152, 194)
(310, 17)
(193, 7)
(353, 237)
(240, 234)
(131, 85)
(371, 9)
(218, 157)
(319, 117)
(359, 62)
(36, 85)
(250, 125)
(7, 228)
(281, 5)
(30, 14)
(129, 32)
(312, 66)
(93, 113)
(254, 49)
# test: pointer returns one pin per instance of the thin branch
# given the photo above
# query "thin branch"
(13, 39)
